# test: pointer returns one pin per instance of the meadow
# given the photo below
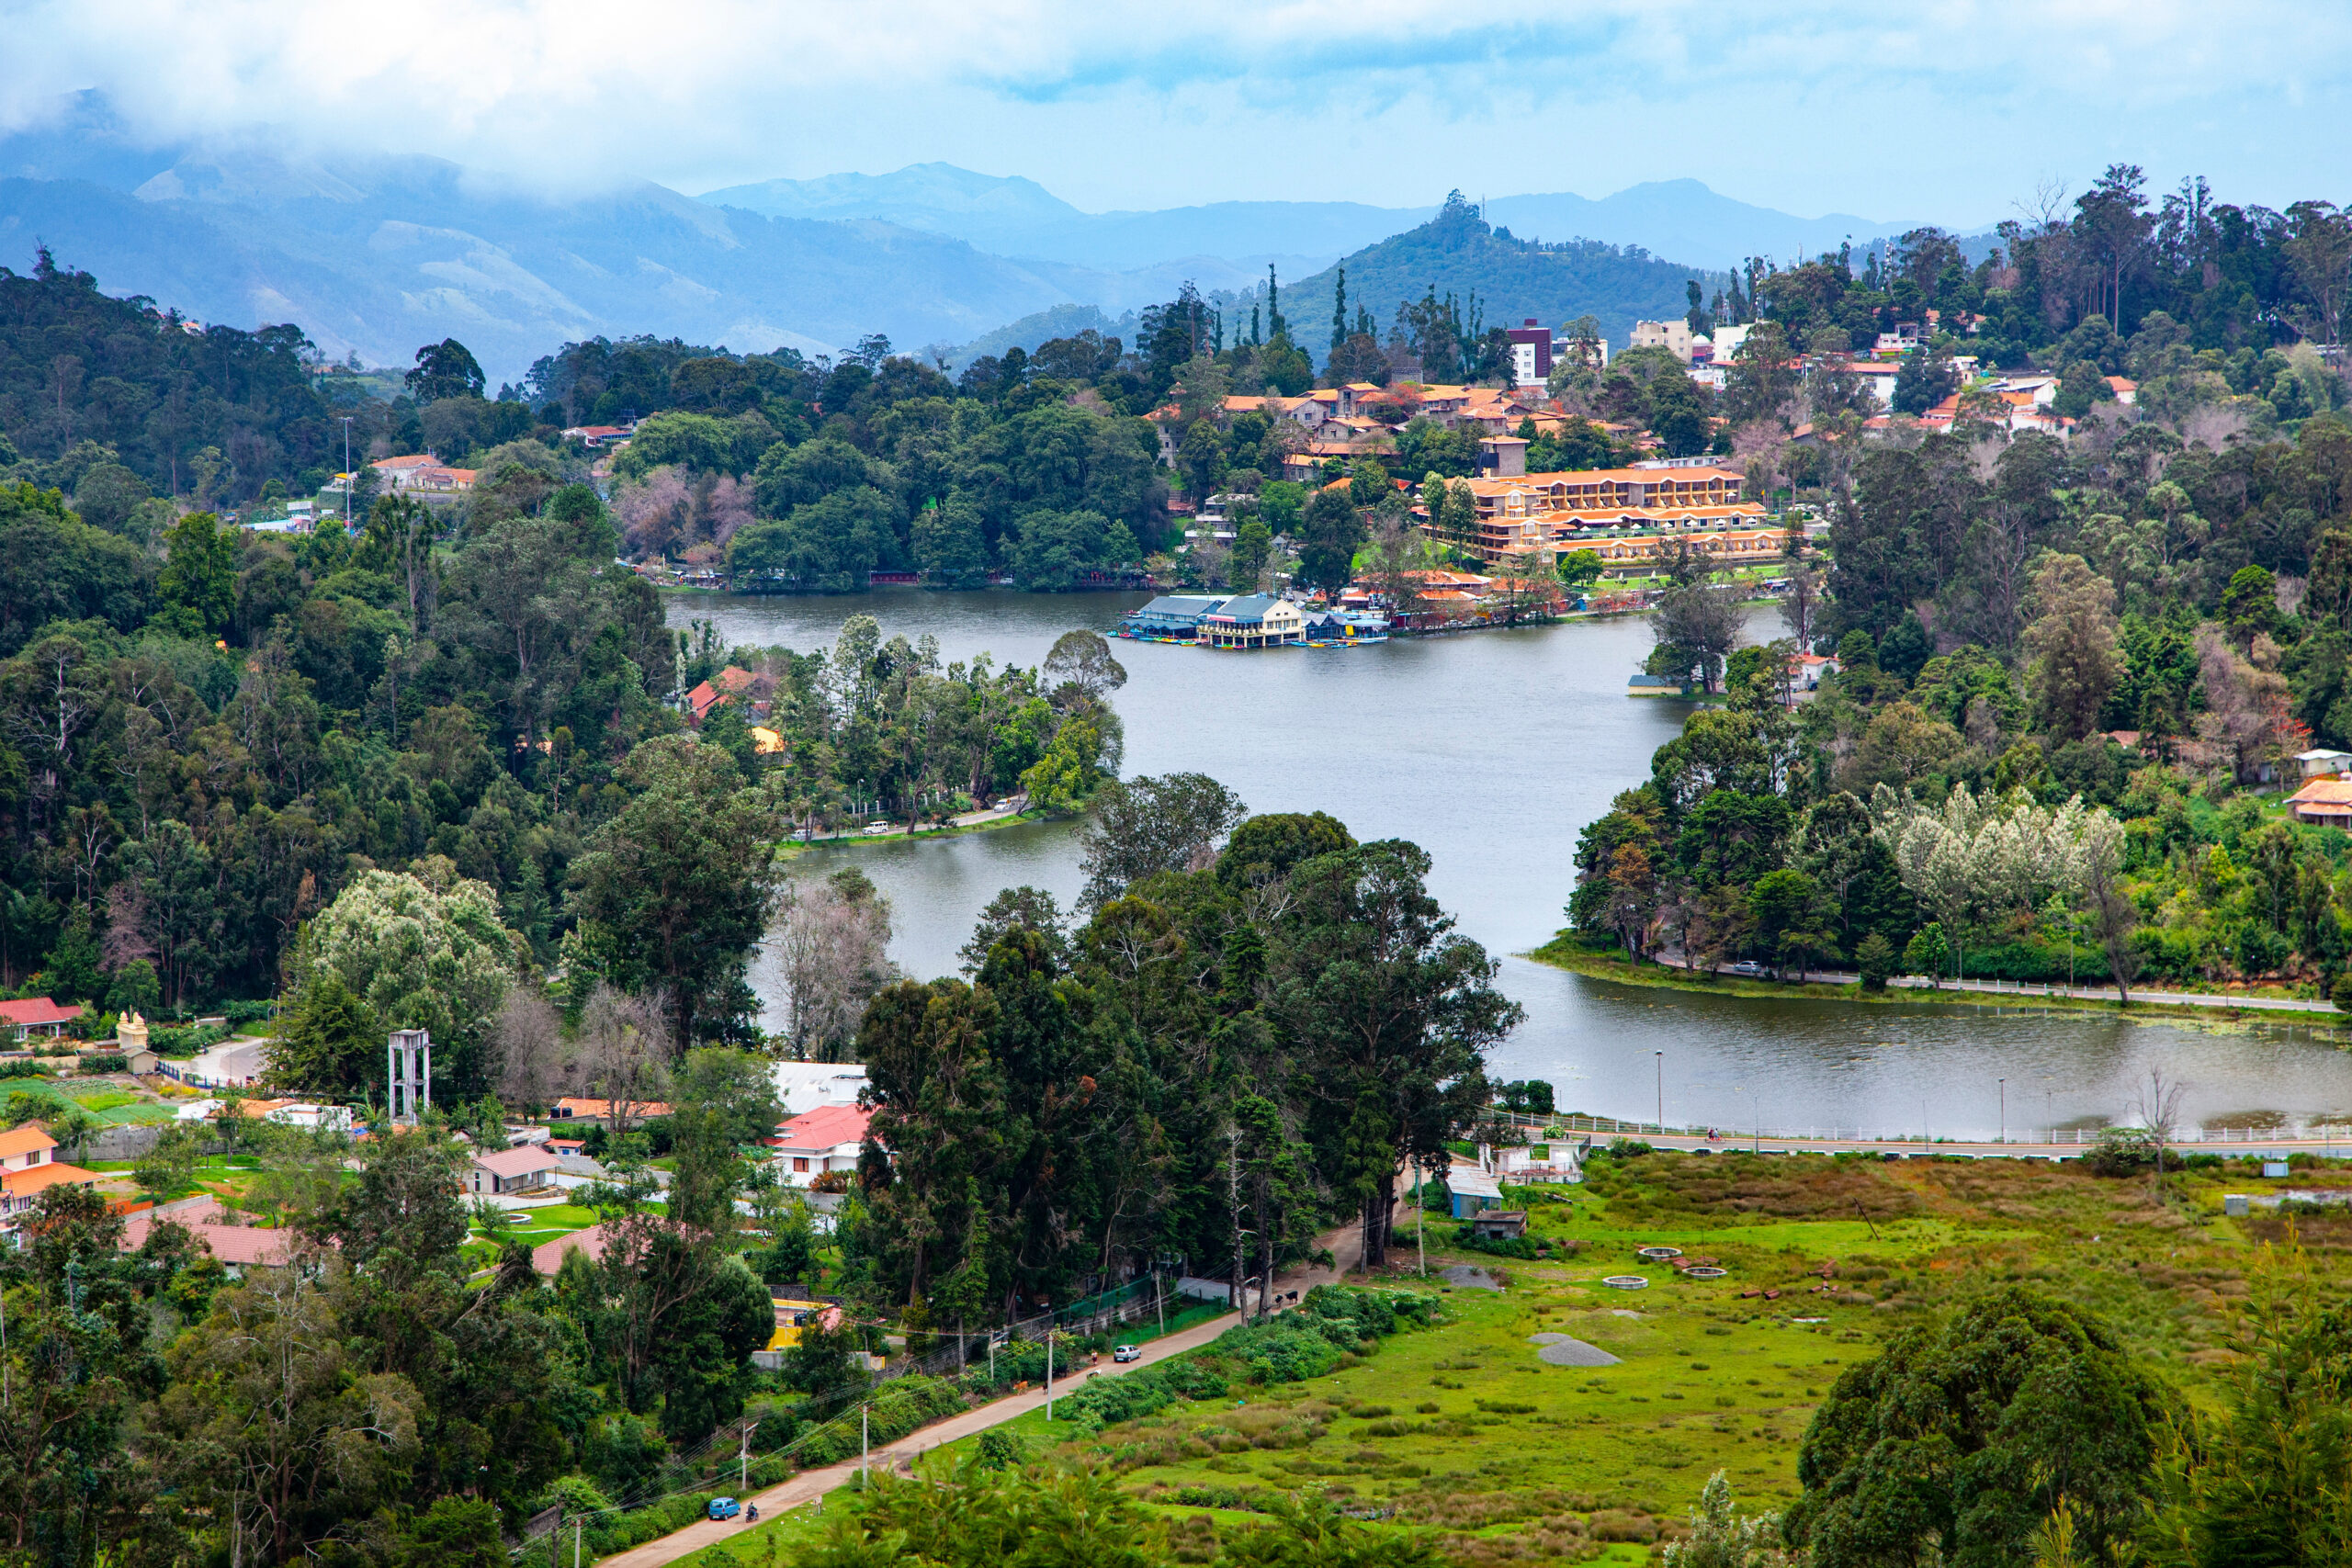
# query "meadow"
(1459, 1430)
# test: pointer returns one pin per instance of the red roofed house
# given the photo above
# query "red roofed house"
(518, 1170)
(547, 1257)
(36, 1016)
(29, 1166)
(815, 1141)
(731, 682)
(238, 1246)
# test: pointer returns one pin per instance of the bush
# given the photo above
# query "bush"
(2123, 1151)
(21, 1070)
(106, 1064)
(187, 1039)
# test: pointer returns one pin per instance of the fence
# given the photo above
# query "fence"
(1131, 1303)
(1544, 1128)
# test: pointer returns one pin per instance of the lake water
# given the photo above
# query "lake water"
(1492, 749)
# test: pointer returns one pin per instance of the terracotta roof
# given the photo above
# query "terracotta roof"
(2324, 792)
(242, 1245)
(597, 1110)
(826, 1127)
(510, 1163)
(547, 1257)
(24, 1140)
(22, 1184)
(417, 460)
(37, 1010)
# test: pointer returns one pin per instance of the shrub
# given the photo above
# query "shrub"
(107, 1064)
(2123, 1151)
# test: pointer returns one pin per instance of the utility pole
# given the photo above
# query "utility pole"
(1421, 1214)
(864, 1446)
(1661, 1092)
(743, 1462)
(575, 1543)
(350, 479)
(1049, 1366)
(2004, 1110)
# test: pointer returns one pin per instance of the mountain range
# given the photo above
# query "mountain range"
(375, 255)
(1679, 221)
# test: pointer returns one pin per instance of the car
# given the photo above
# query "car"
(1126, 1353)
(725, 1507)
(1747, 969)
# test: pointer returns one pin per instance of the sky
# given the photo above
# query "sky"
(1951, 111)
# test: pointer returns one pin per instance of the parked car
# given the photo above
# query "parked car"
(1126, 1353)
(1747, 969)
(725, 1507)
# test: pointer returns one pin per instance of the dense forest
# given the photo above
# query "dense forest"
(2147, 628)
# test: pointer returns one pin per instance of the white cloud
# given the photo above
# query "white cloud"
(1835, 103)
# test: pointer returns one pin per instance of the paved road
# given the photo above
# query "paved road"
(1345, 1245)
(1984, 1148)
(812, 1485)
(2037, 992)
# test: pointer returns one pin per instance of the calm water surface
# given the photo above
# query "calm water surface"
(1492, 750)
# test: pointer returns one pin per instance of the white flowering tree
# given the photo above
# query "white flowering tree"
(1975, 857)
(423, 951)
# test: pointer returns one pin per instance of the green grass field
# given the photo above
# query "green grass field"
(1463, 1431)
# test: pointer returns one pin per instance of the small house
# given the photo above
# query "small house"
(575, 1108)
(220, 1232)
(524, 1168)
(2322, 764)
(829, 1138)
(29, 1166)
(1498, 1224)
(1474, 1191)
(2326, 802)
(36, 1018)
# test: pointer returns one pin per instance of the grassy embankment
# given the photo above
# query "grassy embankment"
(793, 849)
(1463, 1431)
(1564, 952)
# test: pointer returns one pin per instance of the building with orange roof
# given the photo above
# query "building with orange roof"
(2326, 802)
(29, 1166)
(726, 686)
(573, 1108)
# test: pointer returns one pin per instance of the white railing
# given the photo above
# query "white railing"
(1540, 1129)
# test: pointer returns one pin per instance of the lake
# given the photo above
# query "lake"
(1492, 749)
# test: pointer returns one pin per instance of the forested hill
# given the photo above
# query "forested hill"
(170, 399)
(1458, 251)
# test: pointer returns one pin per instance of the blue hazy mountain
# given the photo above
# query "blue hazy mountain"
(377, 254)
(1680, 221)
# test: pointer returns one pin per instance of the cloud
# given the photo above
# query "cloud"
(1813, 106)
